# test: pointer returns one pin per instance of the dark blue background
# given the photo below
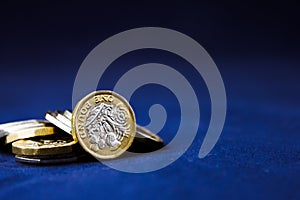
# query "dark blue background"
(256, 48)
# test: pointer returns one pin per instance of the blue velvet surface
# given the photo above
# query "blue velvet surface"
(258, 153)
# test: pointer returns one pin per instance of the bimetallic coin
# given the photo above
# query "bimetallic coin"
(29, 132)
(43, 147)
(144, 141)
(104, 124)
(141, 132)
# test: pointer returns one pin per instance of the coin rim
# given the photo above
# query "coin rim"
(73, 122)
(29, 133)
(19, 149)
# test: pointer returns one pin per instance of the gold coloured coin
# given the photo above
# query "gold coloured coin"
(42, 147)
(104, 124)
(29, 132)
(8, 128)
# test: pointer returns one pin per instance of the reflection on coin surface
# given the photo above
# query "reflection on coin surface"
(68, 114)
(104, 124)
(8, 128)
(52, 118)
(18, 123)
(43, 147)
(29, 133)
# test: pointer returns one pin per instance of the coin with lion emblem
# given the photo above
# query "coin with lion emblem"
(104, 124)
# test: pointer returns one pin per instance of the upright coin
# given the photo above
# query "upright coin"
(104, 124)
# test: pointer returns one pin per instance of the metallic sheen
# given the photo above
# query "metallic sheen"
(42, 147)
(29, 133)
(104, 124)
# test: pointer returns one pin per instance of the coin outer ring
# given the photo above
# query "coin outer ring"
(77, 137)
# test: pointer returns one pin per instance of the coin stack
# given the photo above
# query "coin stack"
(102, 125)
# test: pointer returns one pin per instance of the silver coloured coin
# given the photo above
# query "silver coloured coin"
(52, 118)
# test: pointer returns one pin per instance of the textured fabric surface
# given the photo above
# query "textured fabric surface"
(257, 156)
(254, 45)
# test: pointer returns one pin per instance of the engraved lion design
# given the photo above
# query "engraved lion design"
(106, 126)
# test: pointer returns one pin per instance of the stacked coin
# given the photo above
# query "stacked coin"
(103, 122)
(46, 151)
(38, 141)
